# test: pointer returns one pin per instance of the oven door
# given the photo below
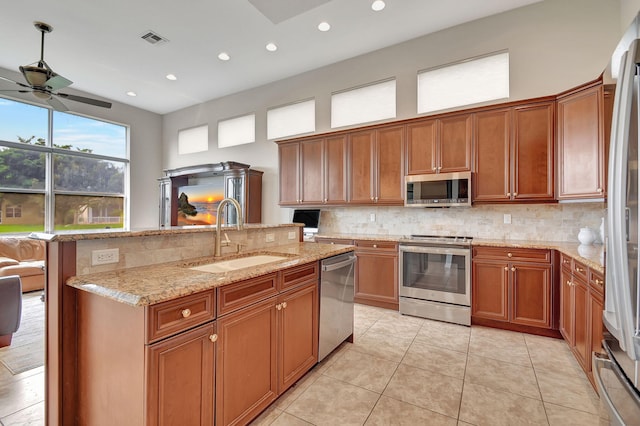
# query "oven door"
(441, 274)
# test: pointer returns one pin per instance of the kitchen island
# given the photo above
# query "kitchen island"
(164, 342)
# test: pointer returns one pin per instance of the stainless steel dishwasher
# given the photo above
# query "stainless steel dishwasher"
(336, 302)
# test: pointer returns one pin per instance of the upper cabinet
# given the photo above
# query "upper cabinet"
(313, 172)
(376, 166)
(584, 122)
(514, 154)
(439, 145)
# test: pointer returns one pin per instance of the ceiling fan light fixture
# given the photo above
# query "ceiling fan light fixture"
(35, 76)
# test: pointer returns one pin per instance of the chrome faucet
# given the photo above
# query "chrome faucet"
(239, 225)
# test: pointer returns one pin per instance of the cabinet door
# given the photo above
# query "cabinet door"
(361, 167)
(489, 287)
(246, 379)
(582, 345)
(531, 294)
(376, 278)
(566, 306)
(298, 328)
(390, 166)
(312, 172)
(581, 145)
(181, 375)
(289, 162)
(491, 144)
(335, 170)
(454, 147)
(421, 147)
(532, 155)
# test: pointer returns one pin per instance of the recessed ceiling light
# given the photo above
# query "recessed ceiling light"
(324, 26)
(378, 5)
(271, 47)
(171, 77)
(132, 94)
(224, 56)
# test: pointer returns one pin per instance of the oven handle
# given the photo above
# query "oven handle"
(435, 250)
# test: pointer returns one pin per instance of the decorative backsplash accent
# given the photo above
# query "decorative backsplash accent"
(537, 222)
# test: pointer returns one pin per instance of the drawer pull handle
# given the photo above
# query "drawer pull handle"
(186, 313)
(579, 269)
(509, 255)
(566, 261)
(213, 338)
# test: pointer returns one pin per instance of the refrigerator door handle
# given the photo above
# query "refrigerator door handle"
(599, 362)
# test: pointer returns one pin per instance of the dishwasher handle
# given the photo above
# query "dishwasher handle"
(333, 266)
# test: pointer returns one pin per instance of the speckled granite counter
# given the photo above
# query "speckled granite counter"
(148, 285)
(592, 256)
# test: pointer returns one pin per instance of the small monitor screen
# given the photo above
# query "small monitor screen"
(310, 218)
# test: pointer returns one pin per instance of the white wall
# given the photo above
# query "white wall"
(145, 149)
(628, 10)
(554, 45)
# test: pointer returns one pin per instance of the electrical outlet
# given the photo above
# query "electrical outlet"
(269, 238)
(103, 257)
(372, 217)
(507, 218)
(292, 235)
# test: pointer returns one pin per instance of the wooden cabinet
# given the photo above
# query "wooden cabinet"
(181, 379)
(513, 288)
(376, 278)
(582, 301)
(514, 154)
(265, 346)
(376, 166)
(583, 141)
(439, 145)
(313, 171)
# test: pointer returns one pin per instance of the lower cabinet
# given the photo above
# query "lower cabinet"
(263, 350)
(582, 302)
(513, 289)
(181, 378)
(376, 278)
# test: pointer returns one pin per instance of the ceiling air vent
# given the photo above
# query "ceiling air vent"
(153, 38)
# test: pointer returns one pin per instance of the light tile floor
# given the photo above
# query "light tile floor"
(410, 371)
(406, 371)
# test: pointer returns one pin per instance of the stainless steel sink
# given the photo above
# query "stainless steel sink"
(240, 263)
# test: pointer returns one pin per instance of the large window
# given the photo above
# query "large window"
(75, 180)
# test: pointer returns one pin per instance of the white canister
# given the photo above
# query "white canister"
(586, 236)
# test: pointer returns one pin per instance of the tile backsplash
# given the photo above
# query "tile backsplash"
(538, 222)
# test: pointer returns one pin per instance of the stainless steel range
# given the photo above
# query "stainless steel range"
(435, 278)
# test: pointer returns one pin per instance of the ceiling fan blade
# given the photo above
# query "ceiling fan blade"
(57, 82)
(57, 105)
(13, 81)
(82, 99)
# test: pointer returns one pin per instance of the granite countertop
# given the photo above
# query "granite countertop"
(99, 234)
(592, 255)
(153, 284)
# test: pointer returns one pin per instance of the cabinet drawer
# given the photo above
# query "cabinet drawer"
(596, 281)
(510, 254)
(566, 261)
(334, 241)
(300, 274)
(174, 316)
(238, 295)
(580, 270)
(376, 245)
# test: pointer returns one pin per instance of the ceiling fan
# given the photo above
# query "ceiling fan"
(44, 83)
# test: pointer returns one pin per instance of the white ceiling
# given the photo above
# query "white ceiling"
(98, 45)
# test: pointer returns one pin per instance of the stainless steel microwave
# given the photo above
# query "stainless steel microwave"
(438, 190)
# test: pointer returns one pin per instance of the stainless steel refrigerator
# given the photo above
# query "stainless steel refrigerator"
(617, 372)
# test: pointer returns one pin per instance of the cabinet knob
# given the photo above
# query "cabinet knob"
(506, 268)
(515, 194)
(371, 198)
(508, 194)
(569, 283)
(509, 254)
(600, 190)
(284, 305)
(186, 313)
(375, 246)
(325, 201)
(513, 269)
(279, 306)
(376, 199)
(213, 338)
(434, 168)
(439, 167)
